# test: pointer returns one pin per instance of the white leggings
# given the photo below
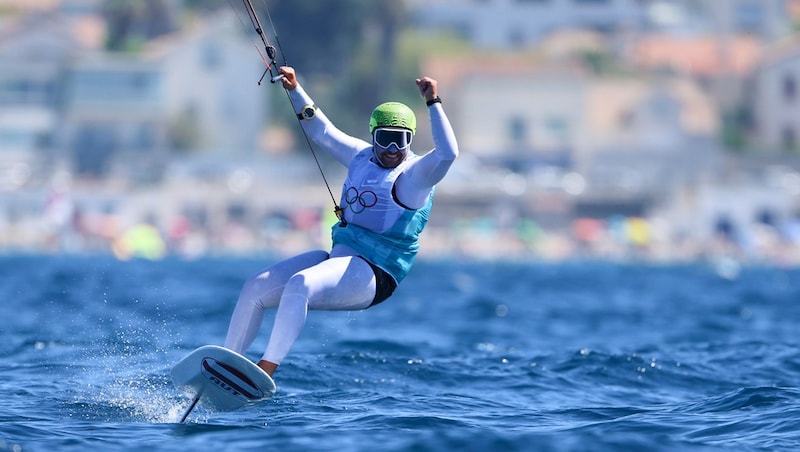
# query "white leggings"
(312, 280)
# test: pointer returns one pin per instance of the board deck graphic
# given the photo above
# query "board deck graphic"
(220, 379)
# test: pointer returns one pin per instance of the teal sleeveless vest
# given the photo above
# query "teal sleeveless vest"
(378, 228)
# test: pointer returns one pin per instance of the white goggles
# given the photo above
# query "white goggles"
(385, 137)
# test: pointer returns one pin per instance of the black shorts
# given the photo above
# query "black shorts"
(384, 284)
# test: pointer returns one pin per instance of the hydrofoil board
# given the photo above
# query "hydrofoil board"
(220, 379)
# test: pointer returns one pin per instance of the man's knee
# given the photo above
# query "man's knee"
(297, 285)
(256, 292)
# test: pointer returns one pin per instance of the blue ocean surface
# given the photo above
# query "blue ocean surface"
(466, 356)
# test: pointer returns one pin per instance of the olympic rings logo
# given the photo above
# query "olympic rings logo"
(358, 202)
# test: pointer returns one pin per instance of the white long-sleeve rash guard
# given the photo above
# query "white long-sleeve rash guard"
(415, 184)
(326, 286)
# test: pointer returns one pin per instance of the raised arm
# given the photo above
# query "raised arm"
(319, 128)
(414, 185)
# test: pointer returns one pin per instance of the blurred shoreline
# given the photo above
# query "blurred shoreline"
(245, 215)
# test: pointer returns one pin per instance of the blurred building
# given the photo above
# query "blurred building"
(776, 98)
(33, 84)
(513, 24)
(513, 111)
(66, 102)
(209, 75)
(590, 144)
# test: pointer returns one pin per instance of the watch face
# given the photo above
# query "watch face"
(309, 112)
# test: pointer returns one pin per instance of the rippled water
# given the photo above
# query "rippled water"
(465, 356)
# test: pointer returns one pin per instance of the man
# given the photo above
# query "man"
(386, 199)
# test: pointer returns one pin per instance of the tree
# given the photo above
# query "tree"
(131, 22)
(345, 49)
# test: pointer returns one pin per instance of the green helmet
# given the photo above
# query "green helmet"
(392, 114)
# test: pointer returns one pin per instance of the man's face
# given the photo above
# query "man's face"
(391, 145)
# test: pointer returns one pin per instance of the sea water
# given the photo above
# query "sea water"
(465, 356)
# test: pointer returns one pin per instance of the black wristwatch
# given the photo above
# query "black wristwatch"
(435, 100)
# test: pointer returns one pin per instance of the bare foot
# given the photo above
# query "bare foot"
(268, 367)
